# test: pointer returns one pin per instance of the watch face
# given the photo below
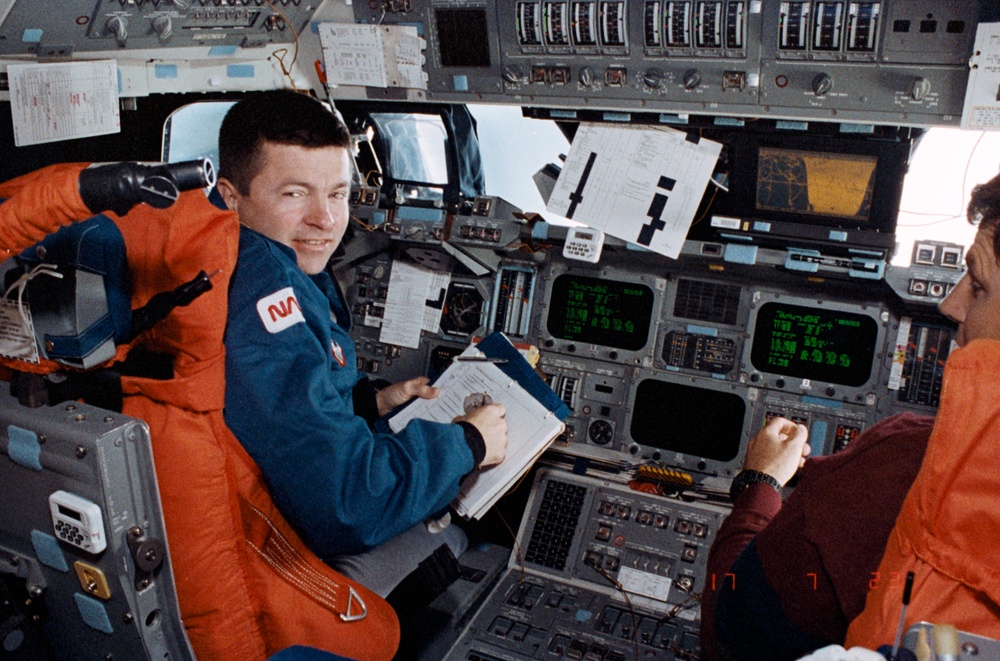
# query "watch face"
(739, 484)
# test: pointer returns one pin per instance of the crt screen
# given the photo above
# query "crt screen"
(604, 312)
(690, 420)
(463, 37)
(816, 183)
(814, 343)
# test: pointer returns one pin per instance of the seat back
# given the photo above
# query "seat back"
(246, 583)
(75, 282)
(83, 546)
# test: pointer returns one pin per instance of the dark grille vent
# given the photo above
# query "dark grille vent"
(707, 301)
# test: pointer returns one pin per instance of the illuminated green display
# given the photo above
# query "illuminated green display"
(814, 343)
(603, 312)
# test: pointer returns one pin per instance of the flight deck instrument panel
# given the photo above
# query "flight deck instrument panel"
(883, 61)
(602, 572)
(29, 27)
(670, 362)
(898, 62)
(668, 368)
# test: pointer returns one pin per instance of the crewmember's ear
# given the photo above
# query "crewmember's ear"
(229, 194)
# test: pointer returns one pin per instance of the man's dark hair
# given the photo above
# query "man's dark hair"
(280, 116)
(984, 209)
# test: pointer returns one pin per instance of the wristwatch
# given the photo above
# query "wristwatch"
(745, 478)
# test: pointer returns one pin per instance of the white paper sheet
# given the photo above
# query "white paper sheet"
(51, 102)
(642, 184)
(414, 303)
(531, 427)
(373, 56)
(17, 335)
(982, 96)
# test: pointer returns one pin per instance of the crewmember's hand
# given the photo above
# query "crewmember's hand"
(400, 393)
(490, 422)
(779, 449)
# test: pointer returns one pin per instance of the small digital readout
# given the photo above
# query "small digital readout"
(603, 312)
(814, 343)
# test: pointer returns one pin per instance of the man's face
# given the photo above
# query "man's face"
(298, 198)
(975, 301)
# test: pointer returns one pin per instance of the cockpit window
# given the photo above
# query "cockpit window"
(946, 165)
(193, 132)
(416, 147)
(514, 148)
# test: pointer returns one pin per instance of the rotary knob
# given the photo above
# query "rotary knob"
(821, 84)
(512, 74)
(653, 78)
(163, 27)
(118, 27)
(692, 78)
(920, 88)
(587, 75)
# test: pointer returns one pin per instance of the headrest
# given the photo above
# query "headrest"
(79, 317)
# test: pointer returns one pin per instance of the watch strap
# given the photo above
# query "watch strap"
(747, 477)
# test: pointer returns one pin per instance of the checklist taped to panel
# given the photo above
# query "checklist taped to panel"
(403, 316)
(373, 56)
(62, 101)
(982, 95)
(493, 371)
(642, 184)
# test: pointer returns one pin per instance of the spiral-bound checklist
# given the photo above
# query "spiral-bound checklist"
(501, 375)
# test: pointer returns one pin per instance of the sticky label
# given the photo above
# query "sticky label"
(17, 334)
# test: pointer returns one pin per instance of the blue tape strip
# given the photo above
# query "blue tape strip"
(702, 330)
(164, 71)
(221, 51)
(818, 401)
(93, 612)
(868, 274)
(729, 121)
(562, 114)
(23, 447)
(31, 36)
(740, 254)
(460, 83)
(617, 117)
(838, 235)
(801, 265)
(240, 71)
(47, 551)
(666, 118)
(419, 213)
(761, 226)
(540, 231)
(817, 437)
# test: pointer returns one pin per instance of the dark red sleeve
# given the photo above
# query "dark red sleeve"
(752, 511)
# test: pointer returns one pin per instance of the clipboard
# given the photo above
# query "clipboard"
(535, 415)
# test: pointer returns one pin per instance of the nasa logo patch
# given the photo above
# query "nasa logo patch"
(338, 353)
(280, 310)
